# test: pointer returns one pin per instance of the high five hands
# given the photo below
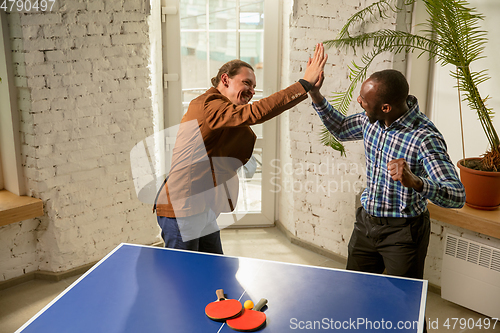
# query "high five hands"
(315, 66)
(319, 57)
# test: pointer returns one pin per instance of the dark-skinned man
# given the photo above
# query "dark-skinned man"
(407, 164)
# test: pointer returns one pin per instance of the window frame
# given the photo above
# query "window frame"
(10, 140)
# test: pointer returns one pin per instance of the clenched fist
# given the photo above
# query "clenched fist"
(400, 171)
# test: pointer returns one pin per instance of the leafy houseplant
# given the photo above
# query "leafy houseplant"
(451, 36)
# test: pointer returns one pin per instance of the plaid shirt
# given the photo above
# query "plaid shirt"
(412, 137)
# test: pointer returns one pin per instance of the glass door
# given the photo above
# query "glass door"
(213, 32)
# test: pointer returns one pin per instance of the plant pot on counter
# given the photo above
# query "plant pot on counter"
(482, 188)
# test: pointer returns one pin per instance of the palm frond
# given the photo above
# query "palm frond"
(452, 36)
(383, 41)
(327, 139)
(374, 12)
(469, 82)
(457, 29)
(388, 40)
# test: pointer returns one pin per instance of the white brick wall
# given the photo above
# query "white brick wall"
(83, 78)
(320, 209)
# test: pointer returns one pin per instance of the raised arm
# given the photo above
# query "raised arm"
(315, 66)
(221, 112)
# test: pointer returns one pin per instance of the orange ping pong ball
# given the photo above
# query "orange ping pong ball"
(248, 305)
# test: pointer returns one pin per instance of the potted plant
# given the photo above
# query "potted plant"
(452, 36)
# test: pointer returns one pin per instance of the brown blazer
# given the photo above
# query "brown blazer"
(223, 134)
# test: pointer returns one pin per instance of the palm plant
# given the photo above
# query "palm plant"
(451, 36)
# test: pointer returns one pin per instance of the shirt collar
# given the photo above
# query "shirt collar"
(408, 119)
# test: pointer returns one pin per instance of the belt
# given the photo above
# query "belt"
(392, 220)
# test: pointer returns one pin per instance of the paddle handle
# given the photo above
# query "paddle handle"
(260, 305)
(220, 294)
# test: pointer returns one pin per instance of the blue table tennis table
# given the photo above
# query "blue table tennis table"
(145, 289)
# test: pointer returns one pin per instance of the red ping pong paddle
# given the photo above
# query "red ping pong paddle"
(223, 308)
(250, 320)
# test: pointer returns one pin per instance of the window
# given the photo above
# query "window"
(11, 171)
(14, 206)
(214, 32)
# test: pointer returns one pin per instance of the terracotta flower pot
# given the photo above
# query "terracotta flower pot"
(482, 188)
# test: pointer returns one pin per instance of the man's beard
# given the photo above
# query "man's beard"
(371, 119)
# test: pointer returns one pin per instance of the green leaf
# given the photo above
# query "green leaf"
(452, 36)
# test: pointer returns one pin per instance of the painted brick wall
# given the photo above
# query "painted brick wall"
(319, 186)
(83, 78)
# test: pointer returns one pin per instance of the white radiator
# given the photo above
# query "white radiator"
(470, 275)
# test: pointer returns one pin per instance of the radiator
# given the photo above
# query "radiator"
(470, 275)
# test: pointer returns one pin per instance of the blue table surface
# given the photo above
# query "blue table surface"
(147, 289)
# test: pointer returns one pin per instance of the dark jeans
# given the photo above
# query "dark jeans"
(170, 233)
(398, 245)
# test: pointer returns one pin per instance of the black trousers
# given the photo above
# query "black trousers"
(396, 245)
